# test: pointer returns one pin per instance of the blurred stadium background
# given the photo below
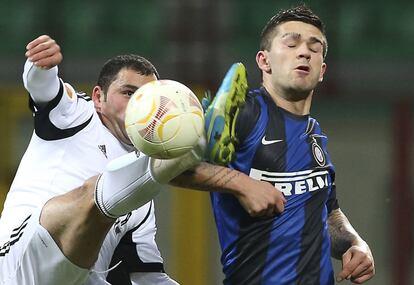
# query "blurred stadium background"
(365, 104)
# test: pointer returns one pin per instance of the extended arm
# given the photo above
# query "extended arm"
(258, 198)
(348, 246)
(40, 71)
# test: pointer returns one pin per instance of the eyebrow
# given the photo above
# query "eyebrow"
(130, 86)
(316, 40)
(297, 36)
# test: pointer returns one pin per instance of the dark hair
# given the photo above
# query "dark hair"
(112, 67)
(299, 13)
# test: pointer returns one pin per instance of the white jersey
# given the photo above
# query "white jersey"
(69, 145)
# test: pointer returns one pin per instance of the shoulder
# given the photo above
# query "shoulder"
(253, 100)
(250, 113)
(314, 127)
(65, 115)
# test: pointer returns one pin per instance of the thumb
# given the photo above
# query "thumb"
(346, 258)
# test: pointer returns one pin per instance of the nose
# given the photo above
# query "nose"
(304, 52)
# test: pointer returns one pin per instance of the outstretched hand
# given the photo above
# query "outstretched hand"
(357, 265)
(44, 52)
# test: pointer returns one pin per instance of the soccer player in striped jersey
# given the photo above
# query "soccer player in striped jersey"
(273, 138)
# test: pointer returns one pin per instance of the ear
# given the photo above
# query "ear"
(262, 61)
(98, 98)
(323, 70)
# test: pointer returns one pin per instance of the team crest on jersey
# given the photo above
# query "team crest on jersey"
(318, 154)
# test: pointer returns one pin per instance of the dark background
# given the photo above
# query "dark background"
(364, 104)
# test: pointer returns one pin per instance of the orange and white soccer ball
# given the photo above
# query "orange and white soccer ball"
(164, 119)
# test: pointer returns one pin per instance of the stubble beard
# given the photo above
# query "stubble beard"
(299, 91)
(295, 94)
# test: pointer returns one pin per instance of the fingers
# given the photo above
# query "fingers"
(261, 211)
(361, 273)
(358, 266)
(37, 41)
(275, 206)
(44, 52)
(364, 271)
(363, 278)
(264, 201)
(281, 201)
(267, 212)
(363, 268)
(347, 266)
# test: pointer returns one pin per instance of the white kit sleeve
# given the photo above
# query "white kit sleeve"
(42, 84)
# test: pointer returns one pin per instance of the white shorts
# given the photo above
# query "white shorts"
(130, 249)
(31, 256)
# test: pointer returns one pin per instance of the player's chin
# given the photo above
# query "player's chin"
(307, 83)
(298, 92)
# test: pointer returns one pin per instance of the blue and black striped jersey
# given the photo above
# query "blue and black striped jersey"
(289, 151)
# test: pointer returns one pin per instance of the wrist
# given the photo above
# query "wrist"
(235, 183)
(359, 242)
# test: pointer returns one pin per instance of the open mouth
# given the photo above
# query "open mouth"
(303, 68)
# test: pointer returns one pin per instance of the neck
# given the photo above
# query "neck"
(116, 132)
(298, 107)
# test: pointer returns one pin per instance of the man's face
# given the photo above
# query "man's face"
(112, 109)
(295, 59)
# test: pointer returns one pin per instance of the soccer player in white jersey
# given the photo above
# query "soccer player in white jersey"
(62, 222)
(71, 143)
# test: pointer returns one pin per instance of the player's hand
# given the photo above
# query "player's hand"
(357, 264)
(261, 199)
(44, 52)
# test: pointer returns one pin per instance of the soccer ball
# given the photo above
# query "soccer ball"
(164, 119)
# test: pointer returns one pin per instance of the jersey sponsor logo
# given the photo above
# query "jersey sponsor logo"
(267, 142)
(294, 183)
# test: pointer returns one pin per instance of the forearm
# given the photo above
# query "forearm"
(42, 84)
(342, 234)
(208, 177)
(258, 198)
